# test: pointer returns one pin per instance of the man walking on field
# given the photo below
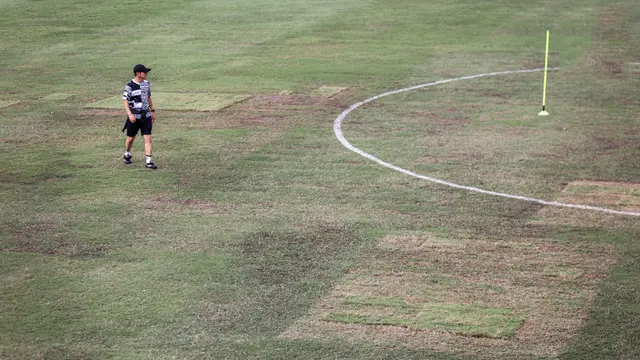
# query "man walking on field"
(140, 113)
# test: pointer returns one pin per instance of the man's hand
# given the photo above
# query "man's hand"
(153, 117)
(132, 118)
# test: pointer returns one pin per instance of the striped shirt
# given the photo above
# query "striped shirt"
(138, 97)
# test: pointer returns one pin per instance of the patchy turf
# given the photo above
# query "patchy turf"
(257, 216)
(327, 91)
(7, 103)
(179, 101)
(58, 96)
(613, 195)
(461, 319)
(515, 298)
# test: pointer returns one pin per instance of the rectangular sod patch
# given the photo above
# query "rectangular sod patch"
(57, 96)
(7, 103)
(605, 194)
(327, 91)
(465, 319)
(503, 299)
(179, 101)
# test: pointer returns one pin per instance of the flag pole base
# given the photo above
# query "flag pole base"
(543, 113)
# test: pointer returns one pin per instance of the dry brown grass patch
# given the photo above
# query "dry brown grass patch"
(418, 243)
(518, 298)
(179, 101)
(612, 195)
(7, 103)
(275, 111)
(327, 91)
(606, 59)
(165, 204)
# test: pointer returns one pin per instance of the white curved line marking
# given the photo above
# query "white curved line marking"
(337, 129)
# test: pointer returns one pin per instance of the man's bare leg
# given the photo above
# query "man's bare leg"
(127, 149)
(147, 151)
(128, 142)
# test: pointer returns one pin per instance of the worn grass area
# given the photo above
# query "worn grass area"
(613, 195)
(257, 215)
(462, 319)
(58, 96)
(327, 91)
(178, 101)
(518, 298)
(7, 103)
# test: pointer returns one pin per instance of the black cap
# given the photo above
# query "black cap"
(140, 68)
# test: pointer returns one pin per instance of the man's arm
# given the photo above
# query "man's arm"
(152, 109)
(129, 113)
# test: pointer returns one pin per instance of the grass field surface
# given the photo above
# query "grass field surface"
(261, 237)
(178, 101)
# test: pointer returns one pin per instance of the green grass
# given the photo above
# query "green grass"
(256, 210)
(469, 320)
(562, 271)
(57, 96)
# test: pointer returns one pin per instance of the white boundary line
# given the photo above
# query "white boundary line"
(337, 129)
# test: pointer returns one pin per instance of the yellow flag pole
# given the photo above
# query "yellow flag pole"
(544, 87)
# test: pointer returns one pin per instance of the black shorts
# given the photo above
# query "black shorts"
(144, 125)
